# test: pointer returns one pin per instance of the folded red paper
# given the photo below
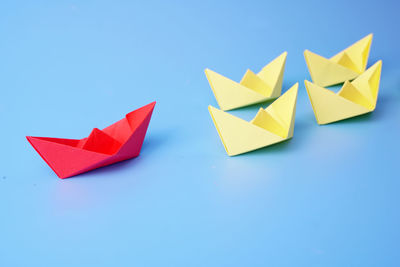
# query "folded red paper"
(119, 141)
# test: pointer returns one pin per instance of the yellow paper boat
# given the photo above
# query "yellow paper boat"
(252, 89)
(346, 65)
(354, 98)
(271, 125)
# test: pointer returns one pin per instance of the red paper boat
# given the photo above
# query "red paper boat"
(119, 141)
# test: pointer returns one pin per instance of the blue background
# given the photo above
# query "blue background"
(328, 197)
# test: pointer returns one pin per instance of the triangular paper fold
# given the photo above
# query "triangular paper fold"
(119, 141)
(355, 98)
(271, 125)
(252, 89)
(345, 65)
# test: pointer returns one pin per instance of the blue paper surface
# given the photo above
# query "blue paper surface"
(328, 197)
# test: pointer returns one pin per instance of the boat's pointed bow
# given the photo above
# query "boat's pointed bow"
(65, 160)
(139, 121)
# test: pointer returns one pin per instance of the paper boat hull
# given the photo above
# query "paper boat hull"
(67, 159)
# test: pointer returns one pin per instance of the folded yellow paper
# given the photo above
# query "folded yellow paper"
(271, 125)
(354, 98)
(252, 89)
(346, 65)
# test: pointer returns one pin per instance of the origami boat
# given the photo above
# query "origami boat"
(354, 98)
(346, 65)
(252, 89)
(119, 141)
(271, 125)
